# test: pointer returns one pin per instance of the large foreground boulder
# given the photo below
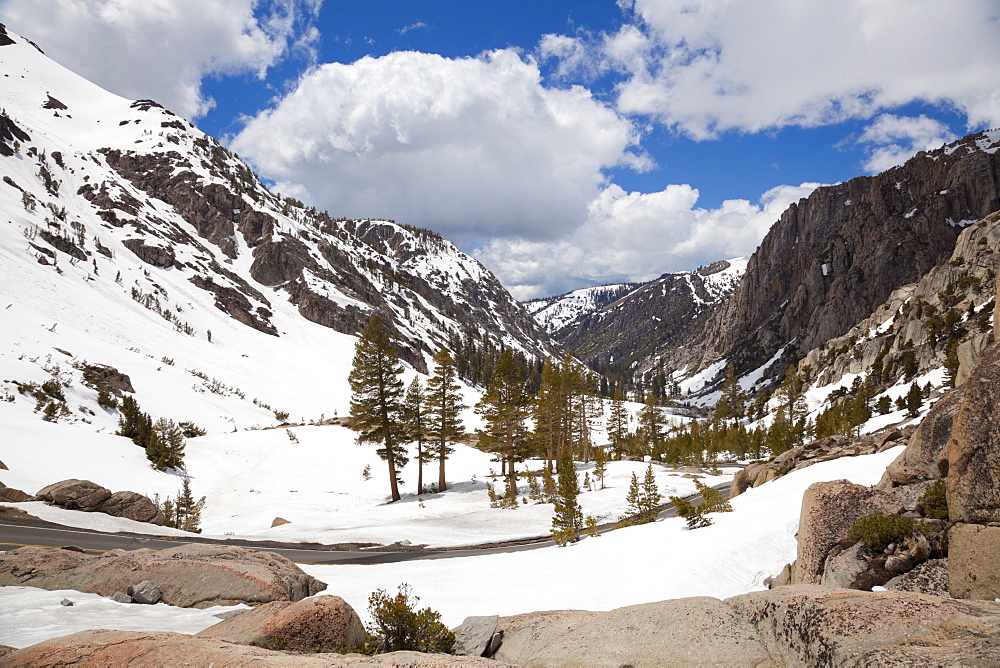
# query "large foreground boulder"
(191, 576)
(973, 453)
(974, 561)
(828, 511)
(690, 631)
(74, 494)
(133, 506)
(319, 624)
(814, 625)
(136, 648)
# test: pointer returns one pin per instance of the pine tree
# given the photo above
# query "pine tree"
(377, 398)
(730, 404)
(634, 500)
(444, 403)
(185, 513)
(652, 426)
(504, 407)
(618, 423)
(568, 518)
(650, 496)
(166, 448)
(914, 398)
(549, 414)
(415, 418)
(600, 464)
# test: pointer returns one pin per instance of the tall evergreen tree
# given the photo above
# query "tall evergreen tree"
(650, 496)
(618, 423)
(377, 398)
(652, 424)
(730, 404)
(444, 403)
(505, 406)
(600, 464)
(415, 418)
(548, 414)
(567, 522)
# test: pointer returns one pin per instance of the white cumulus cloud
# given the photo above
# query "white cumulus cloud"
(471, 147)
(892, 140)
(163, 49)
(705, 67)
(633, 236)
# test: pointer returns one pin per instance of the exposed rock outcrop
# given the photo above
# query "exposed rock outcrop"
(13, 495)
(74, 494)
(137, 648)
(112, 380)
(191, 576)
(319, 624)
(973, 454)
(814, 452)
(690, 631)
(133, 506)
(158, 256)
(832, 258)
(974, 561)
(930, 577)
(813, 625)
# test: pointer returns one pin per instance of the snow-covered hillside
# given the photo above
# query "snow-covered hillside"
(555, 313)
(134, 201)
(137, 249)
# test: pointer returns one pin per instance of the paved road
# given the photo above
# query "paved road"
(19, 535)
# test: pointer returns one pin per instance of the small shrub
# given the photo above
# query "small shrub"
(280, 416)
(933, 503)
(191, 430)
(106, 400)
(697, 516)
(367, 473)
(878, 530)
(397, 625)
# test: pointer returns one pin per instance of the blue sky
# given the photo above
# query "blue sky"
(562, 143)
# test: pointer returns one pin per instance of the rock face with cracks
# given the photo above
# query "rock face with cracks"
(190, 576)
(813, 625)
(320, 624)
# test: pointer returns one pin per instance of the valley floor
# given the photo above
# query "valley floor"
(633, 565)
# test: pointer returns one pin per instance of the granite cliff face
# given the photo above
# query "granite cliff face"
(833, 257)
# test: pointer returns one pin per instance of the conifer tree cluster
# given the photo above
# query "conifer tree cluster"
(185, 512)
(643, 500)
(384, 416)
(163, 440)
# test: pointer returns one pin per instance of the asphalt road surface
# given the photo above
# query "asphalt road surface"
(44, 534)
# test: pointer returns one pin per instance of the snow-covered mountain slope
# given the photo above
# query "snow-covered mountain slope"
(139, 254)
(564, 311)
(622, 332)
(96, 185)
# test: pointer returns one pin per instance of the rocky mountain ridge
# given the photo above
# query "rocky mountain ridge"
(627, 327)
(93, 179)
(835, 256)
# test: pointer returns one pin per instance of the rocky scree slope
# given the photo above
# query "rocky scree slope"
(91, 178)
(942, 320)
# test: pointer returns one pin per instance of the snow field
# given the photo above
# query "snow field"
(625, 567)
